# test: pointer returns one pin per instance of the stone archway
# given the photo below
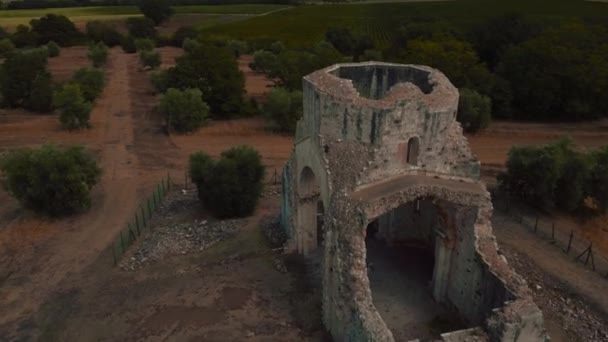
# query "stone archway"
(413, 149)
(309, 194)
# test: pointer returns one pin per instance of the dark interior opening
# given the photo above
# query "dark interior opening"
(400, 271)
(376, 81)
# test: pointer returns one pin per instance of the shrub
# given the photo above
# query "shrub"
(24, 37)
(230, 186)
(142, 44)
(190, 44)
(213, 70)
(264, 61)
(141, 28)
(159, 80)
(599, 178)
(53, 48)
(181, 34)
(41, 94)
(101, 31)
(238, 47)
(20, 70)
(474, 110)
(150, 58)
(51, 180)
(6, 47)
(184, 110)
(284, 108)
(128, 44)
(156, 10)
(349, 43)
(57, 28)
(74, 110)
(98, 54)
(90, 81)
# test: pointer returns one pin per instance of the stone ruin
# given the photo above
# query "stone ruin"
(383, 190)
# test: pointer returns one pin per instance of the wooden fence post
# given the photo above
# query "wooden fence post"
(570, 242)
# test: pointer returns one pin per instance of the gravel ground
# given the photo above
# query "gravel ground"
(580, 321)
(167, 239)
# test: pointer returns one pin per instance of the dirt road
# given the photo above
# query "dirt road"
(75, 243)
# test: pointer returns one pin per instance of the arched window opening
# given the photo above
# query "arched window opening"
(413, 148)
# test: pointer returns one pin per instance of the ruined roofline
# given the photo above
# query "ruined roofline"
(405, 82)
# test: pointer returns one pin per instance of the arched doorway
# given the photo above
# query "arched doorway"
(310, 223)
(413, 149)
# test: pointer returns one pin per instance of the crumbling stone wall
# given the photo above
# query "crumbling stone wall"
(377, 136)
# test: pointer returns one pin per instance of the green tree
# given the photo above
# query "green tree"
(160, 80)
(349, 43)
(156, 10)
(455, 58)
(232, 185)
(128, 44)
(74, 111)
(560, 74)
(571, 187)
(20, 70)
(474, 110)
(238, 47)
(184, 110)
(141, 28)
(41, 94)
(51, 180)
(56, 28)
(150, 58)
(493, 37)
(24, 37)
(142, 44)
(265, 61)
(213, 70)
(6, 47)
(190, 44)
(181, 34)
(284, 108)
(54, 49)
(91, 82)
(98, 54)
(102, 31)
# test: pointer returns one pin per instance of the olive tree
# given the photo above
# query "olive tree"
(51, 180)
(184, 110)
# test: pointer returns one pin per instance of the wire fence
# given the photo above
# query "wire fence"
(564, 238)
(134, 229)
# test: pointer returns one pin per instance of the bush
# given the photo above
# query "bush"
(53, 48)
(98, 54)
(128, 45)
(474, 110)
(598, 181)
(184, 110)
(142, 44)
(41, 94)
(214, 71)
(230, 186)
(159, 80)
(284, 108)
(74, 110)
(182, 34)
(90, 81)
(57, 28)
(156, 10)
(101, 31)
(24, 37)
(190, 44)
(238, 47)
(20, 71)
(141, 28)
(264, 61)
(6, 47)
(150, 58)
(51, 180)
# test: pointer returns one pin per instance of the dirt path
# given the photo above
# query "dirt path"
(78, 241)
(585, 283)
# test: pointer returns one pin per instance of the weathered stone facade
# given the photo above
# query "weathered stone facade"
(380, 143)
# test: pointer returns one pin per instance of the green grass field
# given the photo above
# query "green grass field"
(16, 17)
(304, 25)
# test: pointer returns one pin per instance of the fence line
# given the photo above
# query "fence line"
(569, 243)
(134, 229)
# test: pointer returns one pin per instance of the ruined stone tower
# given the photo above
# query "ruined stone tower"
(380, 160)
